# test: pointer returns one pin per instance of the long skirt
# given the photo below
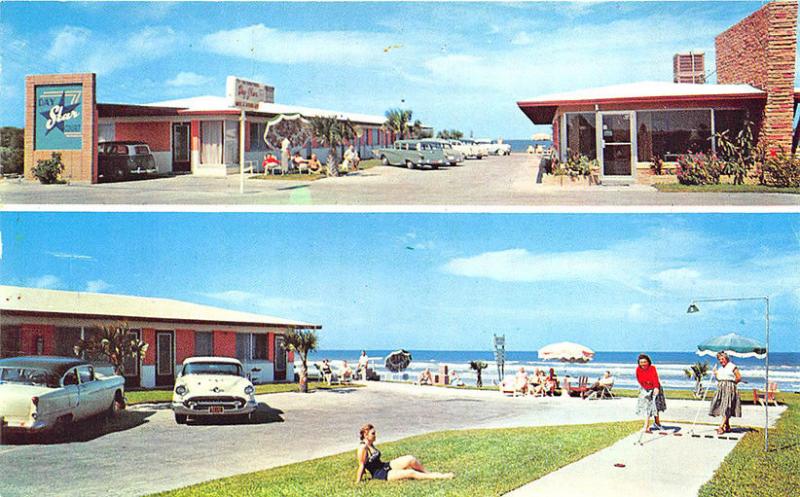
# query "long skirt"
(649, 404)
(726, 401)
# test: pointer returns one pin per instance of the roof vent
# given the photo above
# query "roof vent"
(689, 67)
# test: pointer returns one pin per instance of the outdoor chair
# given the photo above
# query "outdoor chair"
(275, 169)
(760, 398)
(603, 393)
(509, 386)
(581, 389)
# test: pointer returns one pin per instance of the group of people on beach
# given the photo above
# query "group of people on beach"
(539, 383)
(346, 373)
(726, 401)
(297, 163)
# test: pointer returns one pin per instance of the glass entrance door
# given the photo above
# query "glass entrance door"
(181, 158)
(280, 358)
(616, 139)
(165, 358)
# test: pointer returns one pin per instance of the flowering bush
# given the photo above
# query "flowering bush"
(780, 169)
(699, 169)
(579, 165)
(49, 170)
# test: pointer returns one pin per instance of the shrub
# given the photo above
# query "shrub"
(699, 169)
(780, 169)
(49, 170)
(739, 154)
(579, 165)
(11, 150)
(658, 166)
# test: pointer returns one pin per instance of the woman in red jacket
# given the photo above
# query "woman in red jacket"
(651, 396)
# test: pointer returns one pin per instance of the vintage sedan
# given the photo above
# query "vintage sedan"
(122, 160)
(39, 393)
(212, 386)
(412, 154)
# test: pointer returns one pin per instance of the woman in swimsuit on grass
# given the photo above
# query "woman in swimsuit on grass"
(401, 468)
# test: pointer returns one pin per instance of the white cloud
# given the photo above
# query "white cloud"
(263, 303)
(679, 279)
(265, 44)
(189, 78)
(521, 38)
(636, 313)
(234, 296)
(97, 286)
(69, 42)
(46, 281)
(65, 255)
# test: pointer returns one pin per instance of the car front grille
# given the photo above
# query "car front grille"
(204, 403)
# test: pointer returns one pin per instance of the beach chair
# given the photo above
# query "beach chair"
(509, 386)
(603, 393)
(760, 398)
(581, 389)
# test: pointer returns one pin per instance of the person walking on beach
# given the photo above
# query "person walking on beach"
(651, 396)
(401, 468)
(726, 401)
(363, 364)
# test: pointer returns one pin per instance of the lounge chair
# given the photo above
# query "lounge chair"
(760, 398)
(580, 389)
(603, 393)
(509, 386)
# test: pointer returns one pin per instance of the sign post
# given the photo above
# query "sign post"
(246, 95)
(500, 356)
(241, 153)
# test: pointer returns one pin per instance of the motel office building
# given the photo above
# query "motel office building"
(625, 127)
(49, 322)
(201, 135)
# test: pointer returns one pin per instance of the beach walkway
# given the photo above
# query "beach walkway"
(663, 466)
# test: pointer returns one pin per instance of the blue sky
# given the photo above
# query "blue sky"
(456, 65)
(437, 281)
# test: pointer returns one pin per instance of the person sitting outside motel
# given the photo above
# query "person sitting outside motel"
(605, 382)
(270, 163)
(299, 163)
(327, 373)
(351, 159)
(346, 373)
(551, 383)
(425, 377)
(521, 381)
(456, 380)
(314, 165)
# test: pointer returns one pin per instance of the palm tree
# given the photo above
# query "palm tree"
(303, 342)
(398, 120)
(332, 132)
(697, 371)
(114, 343)
(478, 366)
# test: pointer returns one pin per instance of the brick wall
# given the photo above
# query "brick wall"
(30, 332)
(79, 165)
(157, 134)
(184, 345)
(760, 50)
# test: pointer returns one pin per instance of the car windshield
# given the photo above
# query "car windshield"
(27, 376)
(212, 368)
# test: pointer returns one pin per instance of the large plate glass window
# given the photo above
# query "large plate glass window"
(260, 346)
(211, 142)
(231, 142)
(204, 343)
(581, 135)
(65, 341)
(9, 341)
(669, 134)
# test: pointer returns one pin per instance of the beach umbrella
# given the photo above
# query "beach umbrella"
(733, 344)
(566, 352)
(398, 360)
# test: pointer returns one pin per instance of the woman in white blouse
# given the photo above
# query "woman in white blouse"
(726, 401)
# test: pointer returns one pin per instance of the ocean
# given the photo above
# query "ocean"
(522, 145)
(784, 367)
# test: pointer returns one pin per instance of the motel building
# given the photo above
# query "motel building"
(50, 322)
(204, 136)
(625, 127)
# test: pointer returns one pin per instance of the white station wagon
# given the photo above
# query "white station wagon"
(212, 386)
(39, 393)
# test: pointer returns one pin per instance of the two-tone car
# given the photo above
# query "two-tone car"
(212, 386)
(494, 147)
(40, 393)
(469, 149)
(122, 160)
(451, 155)
(412, 154)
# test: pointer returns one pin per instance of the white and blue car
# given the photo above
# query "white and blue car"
(212, 386)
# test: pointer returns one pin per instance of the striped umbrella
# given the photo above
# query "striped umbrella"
(733, 344)
(566, 352)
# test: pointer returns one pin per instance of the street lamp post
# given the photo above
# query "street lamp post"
(694, 309)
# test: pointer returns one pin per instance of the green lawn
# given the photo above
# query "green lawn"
(485, 462)
(749, 471)
(723, 188)
(151, 396)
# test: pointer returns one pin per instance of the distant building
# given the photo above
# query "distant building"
(689, 67)
(626, 126)
(50, 322)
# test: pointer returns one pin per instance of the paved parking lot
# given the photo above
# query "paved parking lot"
(144, 451)
(493, 181)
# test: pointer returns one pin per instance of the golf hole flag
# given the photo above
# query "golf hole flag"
(58, 117)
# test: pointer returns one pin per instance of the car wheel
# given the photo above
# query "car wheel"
(384, 161)
(116, 406)
(480, 157)
(434, 167)
(118, 174)
(180, 419)
(409, 164)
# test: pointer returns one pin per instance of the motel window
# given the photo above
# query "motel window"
(105, 132)
(581, 137)
(257, 136)
(131, 364)
(259, 346)
(211, 142)
(9, 341)
(231, 142)
(204, 343)
(730, 120)
(66, 339)
(243, 351)
(669, 134)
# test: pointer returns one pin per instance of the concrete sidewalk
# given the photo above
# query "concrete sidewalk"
(662, 466)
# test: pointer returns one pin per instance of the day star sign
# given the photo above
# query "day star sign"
(58, 114)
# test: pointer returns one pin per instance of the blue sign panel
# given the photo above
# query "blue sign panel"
(58, 117)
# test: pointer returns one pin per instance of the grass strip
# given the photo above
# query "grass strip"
(485, 462)
(748, 471)
(723, 188)
(158, 396)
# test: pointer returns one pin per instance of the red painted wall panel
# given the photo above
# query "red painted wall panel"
(29, 333)
(225, 343)
(184, 345)
(270, 346)
(195, 132)
(156, 134)
(149, 337)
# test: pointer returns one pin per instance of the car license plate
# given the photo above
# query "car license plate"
(215, 409)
